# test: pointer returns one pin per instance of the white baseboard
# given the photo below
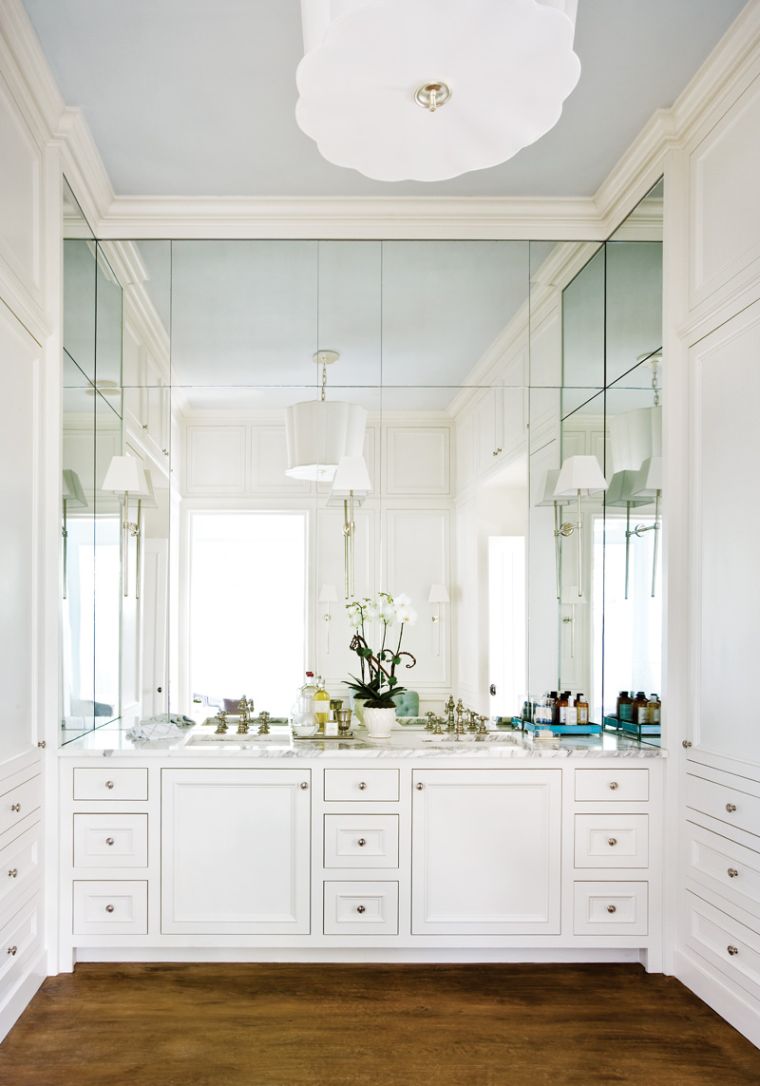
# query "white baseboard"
(358, 955)
(737, 1007)
(18, 998)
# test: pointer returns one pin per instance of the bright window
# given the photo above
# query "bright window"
(248, 606)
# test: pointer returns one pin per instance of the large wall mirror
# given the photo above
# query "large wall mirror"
(472, 385)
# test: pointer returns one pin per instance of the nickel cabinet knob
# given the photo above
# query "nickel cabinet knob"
(730, 807)
(42, 744)
(109, 785)
(109, 908)
(361, 908)
(686, 743)
(12, 950)
(614, 786)
(732, 873)
(304, 785)
(732, 950)
(16, 808)
(13, 873)
(361, 842)
(419, 786)
(612, 908)
(109, 840)
(362, 786)
(612, 841)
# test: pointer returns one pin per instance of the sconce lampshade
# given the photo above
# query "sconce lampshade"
(648, 482)
(620, 490)
(438, 594)
(319, 433)
(73, 491)
(579, 473)
(125, 476)
(550, 485)
(351, 476)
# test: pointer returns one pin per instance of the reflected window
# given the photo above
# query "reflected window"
(248, 607)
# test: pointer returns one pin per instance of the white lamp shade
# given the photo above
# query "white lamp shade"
(620, 490)
(351, 477)
(72, 490)
(124, 476)
(438, 594)
(550, 485)
(648, 482)
(509, 65)
(319, 433)
(635, 436)
(579, 473)
(328, 593)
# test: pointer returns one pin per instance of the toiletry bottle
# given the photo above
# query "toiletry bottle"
(581, 709)
(625, 706)
(641, 708)
(655, 709)
(563, 703)
(321, 704)
(307, 692)
(553, 708)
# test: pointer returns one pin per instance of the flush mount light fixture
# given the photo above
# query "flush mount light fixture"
(321, 432)
(429, 89)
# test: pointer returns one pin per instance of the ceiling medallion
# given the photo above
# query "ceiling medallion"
(511, 61)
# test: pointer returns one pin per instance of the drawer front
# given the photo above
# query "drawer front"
(361, 908)
(379, 785)
(612, 785)
(111, 783)
(726, 943)
(612, 840)
(19, 802)
(118, 908)
(19, 865)
(20, 934)
(117, 840)
(725, 867)
(361, 840)
(725, 803)
(611, 908)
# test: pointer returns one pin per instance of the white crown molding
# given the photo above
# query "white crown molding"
(83, 167)
(26, 71)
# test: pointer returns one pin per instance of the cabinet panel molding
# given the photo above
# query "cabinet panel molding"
(418, 460)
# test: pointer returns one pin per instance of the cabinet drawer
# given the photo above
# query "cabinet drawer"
(365, 908)
(111, 783)
(19, 865)
(20, 934)
(20, 801)
(727, 944)
(611, 785)
(115, 840)
(361, 784)
(612, 840)
(361, 840)
(120, 908)
(724, 802)
(724, 867)
(610, 908)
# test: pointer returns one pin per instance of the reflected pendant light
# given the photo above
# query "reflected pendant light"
(321, 432)
(425, 90)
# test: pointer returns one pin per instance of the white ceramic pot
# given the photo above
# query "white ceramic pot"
(379, 722)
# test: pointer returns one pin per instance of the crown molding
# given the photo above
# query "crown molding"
(83, 167)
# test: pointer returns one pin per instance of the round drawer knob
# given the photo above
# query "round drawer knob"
(13, 873)
(614, 786)
(109, 785)
(732, 950)
(16, 808)
(686, 743)
(361, 908)
(419, 786)
(303, 785)
(732, 873)
(612, 841)
(361, 842)
(362, 786)
(730, 807)
(109, 908)
(109, 840)
(612, 908)
(12, 950)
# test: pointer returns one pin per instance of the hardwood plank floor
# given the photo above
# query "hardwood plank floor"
(372, 1025)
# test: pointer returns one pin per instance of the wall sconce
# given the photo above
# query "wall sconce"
(620, 493)
(351, 481)
(648, 485)
(73, 497)
(550, 499)
(438, 594)
(126, 477)
(328, 594)
(578, 475)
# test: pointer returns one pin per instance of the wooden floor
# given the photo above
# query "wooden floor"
(358, 1025)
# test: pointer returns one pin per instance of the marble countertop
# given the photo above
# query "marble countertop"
(405, 742)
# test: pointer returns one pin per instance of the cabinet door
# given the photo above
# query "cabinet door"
(236, 846)
(486, 852)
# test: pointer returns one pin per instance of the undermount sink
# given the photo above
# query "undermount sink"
(281, 737)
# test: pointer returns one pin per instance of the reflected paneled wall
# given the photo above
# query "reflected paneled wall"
(478, 367)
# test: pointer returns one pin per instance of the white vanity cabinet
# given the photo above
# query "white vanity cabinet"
(236, 851)
(486, 851)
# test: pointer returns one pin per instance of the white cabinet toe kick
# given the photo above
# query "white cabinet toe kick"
(321, 858)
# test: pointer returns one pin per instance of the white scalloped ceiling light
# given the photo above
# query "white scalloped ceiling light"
(429, 89)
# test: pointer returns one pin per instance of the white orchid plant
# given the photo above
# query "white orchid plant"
(378, 684)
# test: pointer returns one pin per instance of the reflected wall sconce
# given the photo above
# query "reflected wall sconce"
(578, 475)
(351, 482)
(73, 497)
(438, 595)
(125, 477)
(619, 494)
(328, 594)
(648, 485)
(550, 499)
(320, 432)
